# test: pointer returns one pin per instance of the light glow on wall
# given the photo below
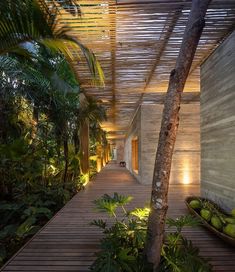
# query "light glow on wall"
(99, 166)
(186, 172)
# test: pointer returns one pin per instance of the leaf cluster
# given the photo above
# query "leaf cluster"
(122, 248)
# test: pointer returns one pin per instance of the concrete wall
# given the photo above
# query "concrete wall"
(218, 125)
(120, 150)
(186, 159)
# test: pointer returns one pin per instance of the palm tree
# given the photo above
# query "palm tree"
(33, 21)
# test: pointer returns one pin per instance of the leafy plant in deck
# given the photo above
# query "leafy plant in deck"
(122, 248)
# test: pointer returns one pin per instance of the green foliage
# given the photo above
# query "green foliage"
(122, 248)
(123, 239)
(178, 253)
(183, 221)
(20, 26)
(24, 217)
(40, 117)
(110, 204)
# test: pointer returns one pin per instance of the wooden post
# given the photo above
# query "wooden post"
(99, 157)
(109, 152)
(169, 126)
(84, 147)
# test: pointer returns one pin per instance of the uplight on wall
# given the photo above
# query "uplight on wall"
(186, 172)
(99, 166)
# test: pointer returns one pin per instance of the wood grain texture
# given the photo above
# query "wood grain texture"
(68, 243)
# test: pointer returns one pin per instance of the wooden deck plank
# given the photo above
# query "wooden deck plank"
(69, 243)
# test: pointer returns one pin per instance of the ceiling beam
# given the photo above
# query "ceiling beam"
(113, 34)
(166, 34)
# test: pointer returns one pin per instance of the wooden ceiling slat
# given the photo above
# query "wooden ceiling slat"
(137, 45)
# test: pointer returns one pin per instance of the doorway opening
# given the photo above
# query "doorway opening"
(135, 153)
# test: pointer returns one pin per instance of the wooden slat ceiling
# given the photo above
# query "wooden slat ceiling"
(137, 43)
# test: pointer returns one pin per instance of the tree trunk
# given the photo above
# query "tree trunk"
(169, 126)
(84, 148)
(35, 124)
(66, 160)
(76, 141)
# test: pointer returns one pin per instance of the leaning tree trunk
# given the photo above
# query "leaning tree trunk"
(169, 126)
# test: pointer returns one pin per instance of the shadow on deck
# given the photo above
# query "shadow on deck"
(68, 243)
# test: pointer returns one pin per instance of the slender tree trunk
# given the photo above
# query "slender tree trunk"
(169, 126)
(35, 115)
(66, 159)
(76, 141)
(84, 147)
(58, 145)
(35, 124)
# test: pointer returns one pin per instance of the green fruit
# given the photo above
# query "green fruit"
(195, 204)
(206, 214)
(230, 220)
(230, 230)
(216, 222)
(233, 212)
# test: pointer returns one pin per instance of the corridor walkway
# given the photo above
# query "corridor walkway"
(68, 243)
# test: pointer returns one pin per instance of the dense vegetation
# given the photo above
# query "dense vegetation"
(122, 248)
(41, 115)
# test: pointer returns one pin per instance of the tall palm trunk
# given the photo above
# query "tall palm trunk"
(169, 126)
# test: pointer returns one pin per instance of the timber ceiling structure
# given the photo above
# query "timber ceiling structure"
(137, 43)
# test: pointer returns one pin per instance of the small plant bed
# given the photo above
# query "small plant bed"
(122, 248)
(213, 217)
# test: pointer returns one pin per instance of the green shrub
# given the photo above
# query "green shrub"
(122, 248)
(25, 216)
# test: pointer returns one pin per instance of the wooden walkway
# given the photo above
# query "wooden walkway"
(68, 243)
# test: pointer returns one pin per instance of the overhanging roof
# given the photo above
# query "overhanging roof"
(137, 43)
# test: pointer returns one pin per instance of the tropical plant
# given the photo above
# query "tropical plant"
(122, 248)
(40, 111)
(20, 30)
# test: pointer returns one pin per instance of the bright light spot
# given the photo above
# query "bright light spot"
(85, 179)
(98, 165)
(186, 172)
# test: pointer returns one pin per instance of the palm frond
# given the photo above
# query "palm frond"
(71, 6)
(31, 20)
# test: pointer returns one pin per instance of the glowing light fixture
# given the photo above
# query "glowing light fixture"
(85, 179)
(98, 165)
